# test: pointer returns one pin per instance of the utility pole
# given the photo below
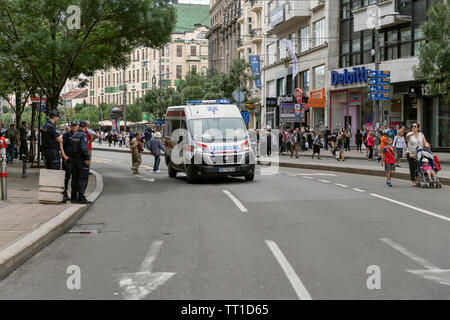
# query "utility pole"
(124, 101)
(377, 55)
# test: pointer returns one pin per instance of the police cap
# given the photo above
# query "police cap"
(54, 113)
(83, 123)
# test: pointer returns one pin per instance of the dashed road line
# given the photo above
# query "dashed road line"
(235, 200)
(412, 207)
(324, 181)
(359, 190)
(341, 185)
(294, 279)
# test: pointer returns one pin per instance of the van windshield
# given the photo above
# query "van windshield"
(218, 129)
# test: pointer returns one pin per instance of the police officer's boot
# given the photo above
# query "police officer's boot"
(83, 200)
(65, 197)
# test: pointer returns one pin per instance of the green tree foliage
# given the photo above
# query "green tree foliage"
(37, 35)
(434, 59)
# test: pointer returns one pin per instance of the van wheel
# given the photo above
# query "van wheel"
(250, 177)
(171, 170)
(190, 175)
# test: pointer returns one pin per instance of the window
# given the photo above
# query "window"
(392, 45)
(319, 32)
(319, 77)
(167, 71)
(346, 9)
(193, 50)
(305, 39)
(405, 38)
(281, 88)
(168, 50)
(194, 69)
(179, 51)
(271, 53)
(179, 72)
(419, 39)
(249, 24)
(137, 75)
(281, 54)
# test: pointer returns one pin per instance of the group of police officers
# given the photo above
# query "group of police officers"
(72, 147)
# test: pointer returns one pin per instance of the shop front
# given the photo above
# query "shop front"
(289, 112)
(271, 112)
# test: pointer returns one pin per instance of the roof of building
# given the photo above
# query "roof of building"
(190, 14)
(75, 94)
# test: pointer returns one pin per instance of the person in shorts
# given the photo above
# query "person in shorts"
(388, 156)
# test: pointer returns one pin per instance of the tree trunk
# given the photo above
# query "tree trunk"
(32, 140)
(52, 104)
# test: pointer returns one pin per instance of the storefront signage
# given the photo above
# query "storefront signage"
(358, 75)
(379, 85)
(355, 97)
(298, 93)
(379, 74)
(379, 81)
(288, 99)
(317, 98)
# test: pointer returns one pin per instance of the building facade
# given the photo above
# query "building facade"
(156, 68)
(400, 37)
(225, 33)
(310, 28)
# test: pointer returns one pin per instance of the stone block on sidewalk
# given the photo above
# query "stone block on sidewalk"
(51, 186)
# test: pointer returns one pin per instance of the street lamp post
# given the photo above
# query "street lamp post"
(124, 101)
(377, 55)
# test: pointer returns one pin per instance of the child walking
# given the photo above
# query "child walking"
(388, 156)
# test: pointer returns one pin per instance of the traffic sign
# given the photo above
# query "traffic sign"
(379, 74)
(298, 93)
(379, 96)
(380, 89)
(379, 81)
(246, 116)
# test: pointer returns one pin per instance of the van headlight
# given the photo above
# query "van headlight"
(245, 146)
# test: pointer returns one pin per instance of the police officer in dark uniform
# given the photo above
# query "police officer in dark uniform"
(80, 164)
(67, 164)
(52, 142)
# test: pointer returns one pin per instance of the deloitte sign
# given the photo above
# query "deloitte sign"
(358, 75)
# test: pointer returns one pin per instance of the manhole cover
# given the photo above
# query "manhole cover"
(86, 228)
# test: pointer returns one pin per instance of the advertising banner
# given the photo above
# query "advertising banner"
(256, 69)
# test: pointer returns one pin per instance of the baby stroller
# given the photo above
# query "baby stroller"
(423, 179)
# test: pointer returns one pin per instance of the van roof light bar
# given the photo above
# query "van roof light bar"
(219, 101)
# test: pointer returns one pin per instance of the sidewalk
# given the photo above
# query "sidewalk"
(26, 225)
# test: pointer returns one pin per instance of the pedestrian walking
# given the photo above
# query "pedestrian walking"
(110, 138)
(317, 144)
(23, 136)
(156, 148)
(148, 135)
(326, 136)
(136, 148)
(12, 135)
(115, 139)
(415, 140)
(120, 137)
(269, 142)
(370, 145)
(80, 164)
(399, 146)
(294, 143)
(67, 161)
(340, 146)
(383, 140)
(388, 155)
(358, 140)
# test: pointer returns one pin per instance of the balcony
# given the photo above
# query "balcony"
(364, 18)
(256, 6)
(255, 35)
(240, 16)
(289, 15)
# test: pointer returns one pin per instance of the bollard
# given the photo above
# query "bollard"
(3, 174)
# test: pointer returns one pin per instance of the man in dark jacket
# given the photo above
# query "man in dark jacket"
(80, 164)
(67, 164)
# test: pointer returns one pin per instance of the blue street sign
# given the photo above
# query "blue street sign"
(379, 81)
(379, 74)
(246, 116)
(379, 89)
(379, 96)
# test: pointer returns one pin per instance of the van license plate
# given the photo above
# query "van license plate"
(232, 169)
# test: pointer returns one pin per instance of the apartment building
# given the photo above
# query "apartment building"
(311, 29)
(225, 33)
(400, 37)
(161, 67)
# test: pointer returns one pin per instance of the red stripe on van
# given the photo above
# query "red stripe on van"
(174, 113)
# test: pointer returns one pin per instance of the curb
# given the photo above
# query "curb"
(361, 171)
(23, 249)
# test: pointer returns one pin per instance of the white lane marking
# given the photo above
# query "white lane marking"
(145, 178)
(341, 185)
(295, 281)
(291, 175)
(138, 285)
(309, 178)
(324, 181)
(235, 200)
(412, 207)
(431, 272)
(359, 190)
(309, 174)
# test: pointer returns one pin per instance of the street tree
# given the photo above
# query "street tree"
(434, 58)
(56, 43)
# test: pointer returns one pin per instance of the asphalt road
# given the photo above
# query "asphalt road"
(297, 234)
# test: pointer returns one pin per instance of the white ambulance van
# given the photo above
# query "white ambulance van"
(207, 139)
